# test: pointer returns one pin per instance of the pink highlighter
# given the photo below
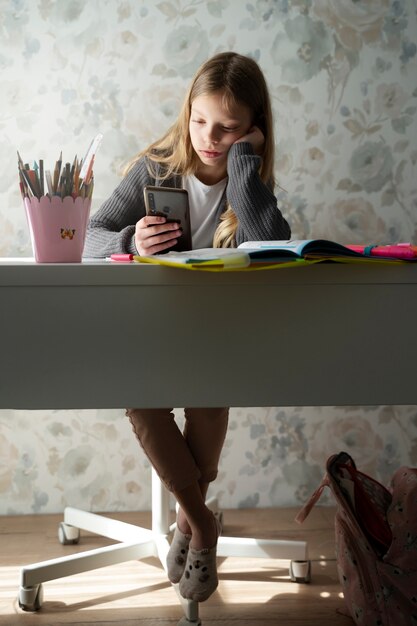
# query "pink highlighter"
(122, 258)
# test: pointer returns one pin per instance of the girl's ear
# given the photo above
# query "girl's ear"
(262, 123)
(259, 121)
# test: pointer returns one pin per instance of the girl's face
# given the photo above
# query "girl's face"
(213, 129)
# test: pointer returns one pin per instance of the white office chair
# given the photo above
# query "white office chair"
(140, 543)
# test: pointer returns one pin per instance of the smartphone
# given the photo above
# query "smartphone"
(173, 204)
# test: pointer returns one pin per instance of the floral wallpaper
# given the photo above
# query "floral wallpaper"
(343, 81)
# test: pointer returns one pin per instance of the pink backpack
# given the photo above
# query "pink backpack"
(376, 542)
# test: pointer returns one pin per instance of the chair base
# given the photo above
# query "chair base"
(136, 542)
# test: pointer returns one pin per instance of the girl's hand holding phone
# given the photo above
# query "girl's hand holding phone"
(154, 234)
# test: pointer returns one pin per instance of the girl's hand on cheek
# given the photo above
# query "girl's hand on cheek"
(255, 137)
(154, 234)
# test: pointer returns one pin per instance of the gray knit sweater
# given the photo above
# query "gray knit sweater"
(112, 228)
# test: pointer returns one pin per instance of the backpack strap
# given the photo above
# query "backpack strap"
(326, 482)
(304, 512)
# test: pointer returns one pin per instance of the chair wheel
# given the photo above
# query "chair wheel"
(186, 622)
(68, 535)
(300, 571)
(30, 598)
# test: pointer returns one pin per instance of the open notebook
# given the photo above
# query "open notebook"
(253, 255)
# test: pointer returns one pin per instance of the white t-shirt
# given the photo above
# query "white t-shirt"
(204, 205)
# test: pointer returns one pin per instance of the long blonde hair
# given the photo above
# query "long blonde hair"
(240, 80)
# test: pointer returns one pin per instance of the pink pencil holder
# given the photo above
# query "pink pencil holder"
(57, 227)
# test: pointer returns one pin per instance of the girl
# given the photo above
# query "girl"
(221, 149)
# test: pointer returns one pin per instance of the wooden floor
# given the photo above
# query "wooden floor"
(251, 592)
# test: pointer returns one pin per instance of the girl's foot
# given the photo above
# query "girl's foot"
(199, 579)
(177, 555)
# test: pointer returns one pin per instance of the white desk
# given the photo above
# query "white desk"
(108, 335)
(102, 335)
